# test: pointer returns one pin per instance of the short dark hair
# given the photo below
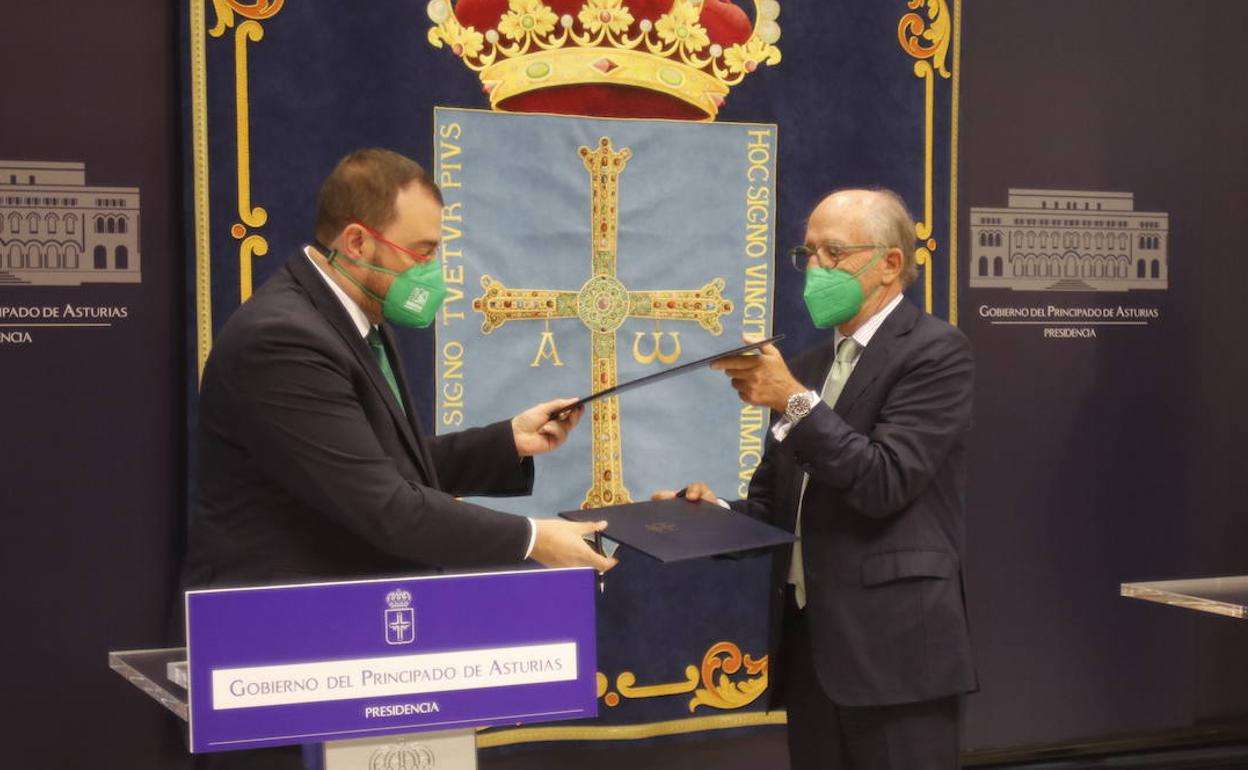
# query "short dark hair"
(363, 186)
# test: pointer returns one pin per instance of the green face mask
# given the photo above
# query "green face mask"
(416, 293)
(833, 296)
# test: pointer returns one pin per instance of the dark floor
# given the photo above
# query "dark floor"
(764, 749)
(1210, 758)
(760, 749)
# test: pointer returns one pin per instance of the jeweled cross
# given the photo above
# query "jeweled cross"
(602, 304)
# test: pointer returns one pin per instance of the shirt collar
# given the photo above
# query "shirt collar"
(863, 334)
(362, 324)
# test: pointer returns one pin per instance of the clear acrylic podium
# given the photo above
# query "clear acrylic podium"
(162, 675)
(155, 672)
(1227, 596)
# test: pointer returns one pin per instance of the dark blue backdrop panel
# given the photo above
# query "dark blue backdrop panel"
(91, 463)
(1120, 457)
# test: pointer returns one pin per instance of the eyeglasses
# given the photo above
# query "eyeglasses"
(829, 254)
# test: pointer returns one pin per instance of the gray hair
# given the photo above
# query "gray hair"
(888, 222)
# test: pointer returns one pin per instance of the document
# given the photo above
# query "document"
(677, 529)
(663, 375)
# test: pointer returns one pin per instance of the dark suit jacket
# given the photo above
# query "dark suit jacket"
(308, 467)
(883, 516)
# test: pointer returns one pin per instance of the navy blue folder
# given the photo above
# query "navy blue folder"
(675, 530)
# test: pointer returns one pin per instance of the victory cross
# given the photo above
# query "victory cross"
(602, 304)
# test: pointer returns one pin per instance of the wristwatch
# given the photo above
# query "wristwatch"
(799, 405)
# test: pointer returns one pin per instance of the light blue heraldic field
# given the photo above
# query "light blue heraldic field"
(580, 253)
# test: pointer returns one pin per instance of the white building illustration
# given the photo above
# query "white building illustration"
(56, 231)
(1068, 240)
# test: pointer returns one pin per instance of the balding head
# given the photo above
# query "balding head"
(875, 216)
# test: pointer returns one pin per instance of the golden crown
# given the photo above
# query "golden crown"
(691, 50)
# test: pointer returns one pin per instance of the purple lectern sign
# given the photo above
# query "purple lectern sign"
(308, 663)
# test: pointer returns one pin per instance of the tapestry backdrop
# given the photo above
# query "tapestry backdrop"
(728, 123)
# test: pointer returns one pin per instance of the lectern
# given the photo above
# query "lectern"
(385, 673)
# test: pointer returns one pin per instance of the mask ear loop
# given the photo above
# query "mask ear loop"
(879, 254)
(330, 254)
(876, 257)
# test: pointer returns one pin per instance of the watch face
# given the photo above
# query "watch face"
(798, 406)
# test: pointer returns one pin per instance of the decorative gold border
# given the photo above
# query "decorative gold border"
(496, 737)
(251, 245)
(199, 186)
(927, 40)
(953, 165)
(721, 692)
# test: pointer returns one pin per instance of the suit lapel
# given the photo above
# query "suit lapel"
(870, 365)
(333, 312)
(410, 419)
(876, 355)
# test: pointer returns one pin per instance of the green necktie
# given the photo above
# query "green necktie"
(842, 367)
(383, 360)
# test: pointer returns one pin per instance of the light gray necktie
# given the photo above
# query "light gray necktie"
(842, 367)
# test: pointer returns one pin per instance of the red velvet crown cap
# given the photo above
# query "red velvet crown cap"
(725, 23)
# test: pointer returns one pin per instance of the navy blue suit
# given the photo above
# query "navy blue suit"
(882, 522)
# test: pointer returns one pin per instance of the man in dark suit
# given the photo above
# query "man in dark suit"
(312, 462)
(866, 463)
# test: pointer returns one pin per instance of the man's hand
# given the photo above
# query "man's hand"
(763, 379)
(536, 433)
(562, 544)
(694, 492)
